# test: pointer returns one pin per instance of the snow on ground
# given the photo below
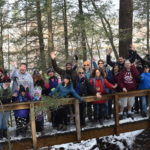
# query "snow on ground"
(48, 130)
(129, 137)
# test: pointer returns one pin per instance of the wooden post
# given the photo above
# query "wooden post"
(149, 103)
(33, 127)
(77, 120)
(116, 115)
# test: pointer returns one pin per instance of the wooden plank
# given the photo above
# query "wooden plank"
(25, 144)
(77, 120)
(116, 114)
(149, 104)
(33, 127)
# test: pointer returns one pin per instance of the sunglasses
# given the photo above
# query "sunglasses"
(86, 65)
(81, 72)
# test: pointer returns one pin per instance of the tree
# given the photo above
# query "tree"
(83, 32)
(40, 36)
(125, 26)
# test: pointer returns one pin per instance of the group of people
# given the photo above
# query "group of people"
(123, 75)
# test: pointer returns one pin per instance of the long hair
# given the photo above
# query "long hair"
(102, 73)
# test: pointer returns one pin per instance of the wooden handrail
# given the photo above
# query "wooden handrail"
(115, 96)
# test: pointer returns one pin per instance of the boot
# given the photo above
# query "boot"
(1, 133)
(5, 133)
(18, 132)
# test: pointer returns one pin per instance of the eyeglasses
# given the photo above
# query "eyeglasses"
(86, 65)
(81, 72)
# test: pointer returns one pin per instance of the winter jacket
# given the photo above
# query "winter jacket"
(112, 63)
(22, 79)
(53, 82)
(100, 85)
(128, 79)
(22, 112)
(5, 95)
(144, 81)
(83, 87)
(65, 91)
(72, 73)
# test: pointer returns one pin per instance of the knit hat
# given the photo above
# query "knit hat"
(6, 79)
(86, 63)
(50, 70)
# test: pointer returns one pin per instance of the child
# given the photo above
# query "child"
(5, 98)
(22, 116)
(39, 115)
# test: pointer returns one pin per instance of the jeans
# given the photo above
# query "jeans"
(99, 111)
(144, 104)
(4, 116)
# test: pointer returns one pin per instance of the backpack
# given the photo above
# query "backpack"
(103, 82)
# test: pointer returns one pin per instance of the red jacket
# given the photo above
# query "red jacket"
(128, 79)
(99, 86)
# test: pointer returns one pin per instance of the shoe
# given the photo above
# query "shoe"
(130, 116)
(1, 134)
(5, 133)
(121, 117)
(144, 114)
(64, 128)
(101, 121)
(60, 126)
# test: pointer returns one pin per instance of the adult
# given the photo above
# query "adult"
(128, 80)
(144, 84)
(69, 70)
(5, 98)
(22, 77)
(83, 88)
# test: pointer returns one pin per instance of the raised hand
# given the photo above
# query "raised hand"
(108, 51)
(53, 55)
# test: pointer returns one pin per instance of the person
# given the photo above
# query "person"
(53, 79)
(5, 98)
(69, 70)
(53, 83)
(144, 84)
(83, 88)
(128, 81)
(120, 61)
(63, 90)
(99, 83)
(22, 115)
(87, 74)
(1, 76)
(22, 77)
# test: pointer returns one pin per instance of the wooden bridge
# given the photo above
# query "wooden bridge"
(78, 135)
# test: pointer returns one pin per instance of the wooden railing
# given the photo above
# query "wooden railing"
(81, 135)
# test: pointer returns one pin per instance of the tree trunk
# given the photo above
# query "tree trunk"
(40, 36)
(83, 32)
(148, 7)
(1, 40)
(26, 47)
(65, 28)
(107, 28)
(50, 30)
(125, 26)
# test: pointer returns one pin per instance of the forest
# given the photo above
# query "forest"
(31, 29)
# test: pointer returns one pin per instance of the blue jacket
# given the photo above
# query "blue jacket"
(144, 81)
(53, 82)
(87, 74)
(22, 112)
(65, 91)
